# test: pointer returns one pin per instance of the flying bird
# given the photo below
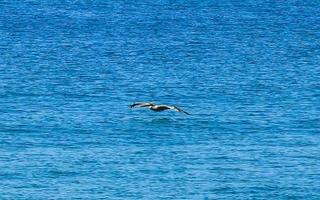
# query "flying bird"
(157, 108)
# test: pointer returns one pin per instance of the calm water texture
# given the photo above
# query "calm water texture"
(247, 71)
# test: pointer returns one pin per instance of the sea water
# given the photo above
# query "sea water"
(247, 71)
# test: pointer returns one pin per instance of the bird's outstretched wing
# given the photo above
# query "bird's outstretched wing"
(179, 110)
(141, 104)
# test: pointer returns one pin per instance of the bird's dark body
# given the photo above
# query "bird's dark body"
(159, 108)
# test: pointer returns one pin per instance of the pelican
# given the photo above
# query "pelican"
(156, 108)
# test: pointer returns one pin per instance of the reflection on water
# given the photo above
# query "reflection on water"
(162, 120)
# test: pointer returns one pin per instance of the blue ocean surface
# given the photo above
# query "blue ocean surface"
(247, 71)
